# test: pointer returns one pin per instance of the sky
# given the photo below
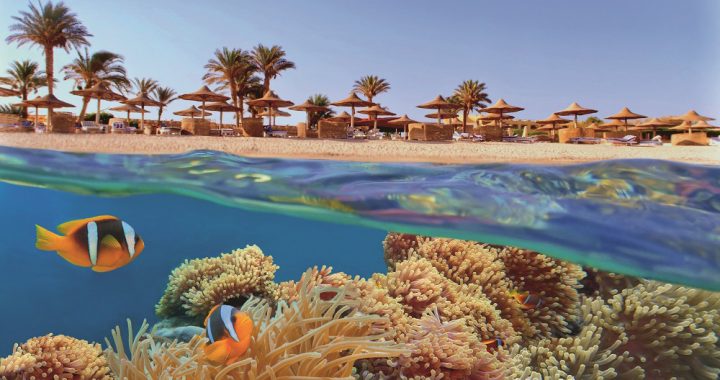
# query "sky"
(658, 57)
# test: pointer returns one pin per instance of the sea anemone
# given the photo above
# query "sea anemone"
(556, 282)
(446, 350)
(55, 357)
(319, 278)
(417, 285)
(198, 285)
(308, 338)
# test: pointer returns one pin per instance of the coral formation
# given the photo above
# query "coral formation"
(55, 357)
(198, 285)
(311, 337)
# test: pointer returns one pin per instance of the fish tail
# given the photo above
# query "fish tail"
(47, 240)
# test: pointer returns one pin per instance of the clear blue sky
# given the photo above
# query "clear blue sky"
(658, 57)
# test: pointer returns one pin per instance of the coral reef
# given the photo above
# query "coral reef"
(198, 285)
(55, 357)
(312, 337)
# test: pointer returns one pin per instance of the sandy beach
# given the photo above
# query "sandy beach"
(361, 150)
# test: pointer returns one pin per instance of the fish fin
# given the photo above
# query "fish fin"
(47, 240)
(72, 225)
(110, 241)
(103, 269)
(209, 314)
(217, 352)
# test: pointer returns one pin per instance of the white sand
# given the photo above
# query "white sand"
(360, 150)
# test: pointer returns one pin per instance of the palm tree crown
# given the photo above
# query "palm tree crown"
(164, 95)
(319, 100)
(471, 95)
(101, 67)
(228, 68)
(144, 86)
(271, 62)
(371, 86)
(24, 77)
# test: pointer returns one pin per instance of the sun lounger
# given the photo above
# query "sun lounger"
(91, 127)
(655, 141)
(518, 139)
(118, 127)
(375, 134)
(627, 140)
(714, 141)
(169, 131)
(586, 140)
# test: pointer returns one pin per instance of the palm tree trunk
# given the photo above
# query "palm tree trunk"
(83, 110)
(49, 63)
(160, 111)
(24, 113)
(233, 96)
(266, 84)
(465, 116)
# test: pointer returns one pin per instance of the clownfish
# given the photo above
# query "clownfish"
(228, 331)
(494, 343)
(527, 300)
(103, 243)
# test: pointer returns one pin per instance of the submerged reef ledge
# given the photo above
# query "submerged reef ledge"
(372, 151)
(445, 309)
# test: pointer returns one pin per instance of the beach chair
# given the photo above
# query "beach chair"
(118, 127)
(585, 140)
(374, 134)
(655, 141)
(91, 127)
(626, 140)
(714, 141)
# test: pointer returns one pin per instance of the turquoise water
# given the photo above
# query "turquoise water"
(654, 219)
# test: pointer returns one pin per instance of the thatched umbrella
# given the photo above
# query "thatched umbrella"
(652, 124)
(403, 120)
(374, 112)
(275, 114)
(100, 92)
(8, 92)
(352, 101)
(203, 94)
(551, 122)
(692, 116)
(128, 108)
(439, 104)
(612, 125)
(343, 116)
(495, 117)
(270, 101)
(48, 101)
(625, 114)
(220, 107)
(192, 112)
(142, 100)
(501, 107)
(689, 126)
(309, 108)
(575, 110)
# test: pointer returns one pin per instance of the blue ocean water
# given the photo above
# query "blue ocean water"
(654, 219)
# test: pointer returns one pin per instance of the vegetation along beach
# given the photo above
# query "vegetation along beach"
(360, 191)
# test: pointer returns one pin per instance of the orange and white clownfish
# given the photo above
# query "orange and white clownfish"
(527, 300)
(103, 243)
(494, 343)
(228, 331)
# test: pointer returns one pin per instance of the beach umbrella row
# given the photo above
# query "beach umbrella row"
(439, 104)
(403, 120)
(128, 108)
(309, 108)
(100, 92)
(374, 112)
(270, 101)
(48, 101)
(352, 101)
(203, 94)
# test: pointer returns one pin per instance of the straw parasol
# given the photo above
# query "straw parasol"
(352, 101)
(192, 112)
(220, 107)
(689, 126)
(271, 101)
(501, 107)
(100, 92)
(442, 115)
(128, 108)
(614, 124)
(551, 122)
(142, 100)
(439, 104)
(203, 94)
(8, 92)
(403, 120)
(495, 117)
(309, 108)
(376, 111)
(625, 114)
(575, 110)
(275, 114)
(48, 101)
(702, 124)
(342, 116)
(693, 116)
(651, 124)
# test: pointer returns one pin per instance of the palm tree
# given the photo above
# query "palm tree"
(49, 26)
(270, 61)
(12, 110)
(250, 87)
(101, 67)
(371, 86)
(471, 95)
(144, 86)
(24, 77)
(164, 95)
(319, 100)
(228, 66)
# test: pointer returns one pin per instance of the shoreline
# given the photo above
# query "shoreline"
(361, 150)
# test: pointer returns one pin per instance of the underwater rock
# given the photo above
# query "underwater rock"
(198, 285)
(55, 357)
(179, 333)
(310, 338)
